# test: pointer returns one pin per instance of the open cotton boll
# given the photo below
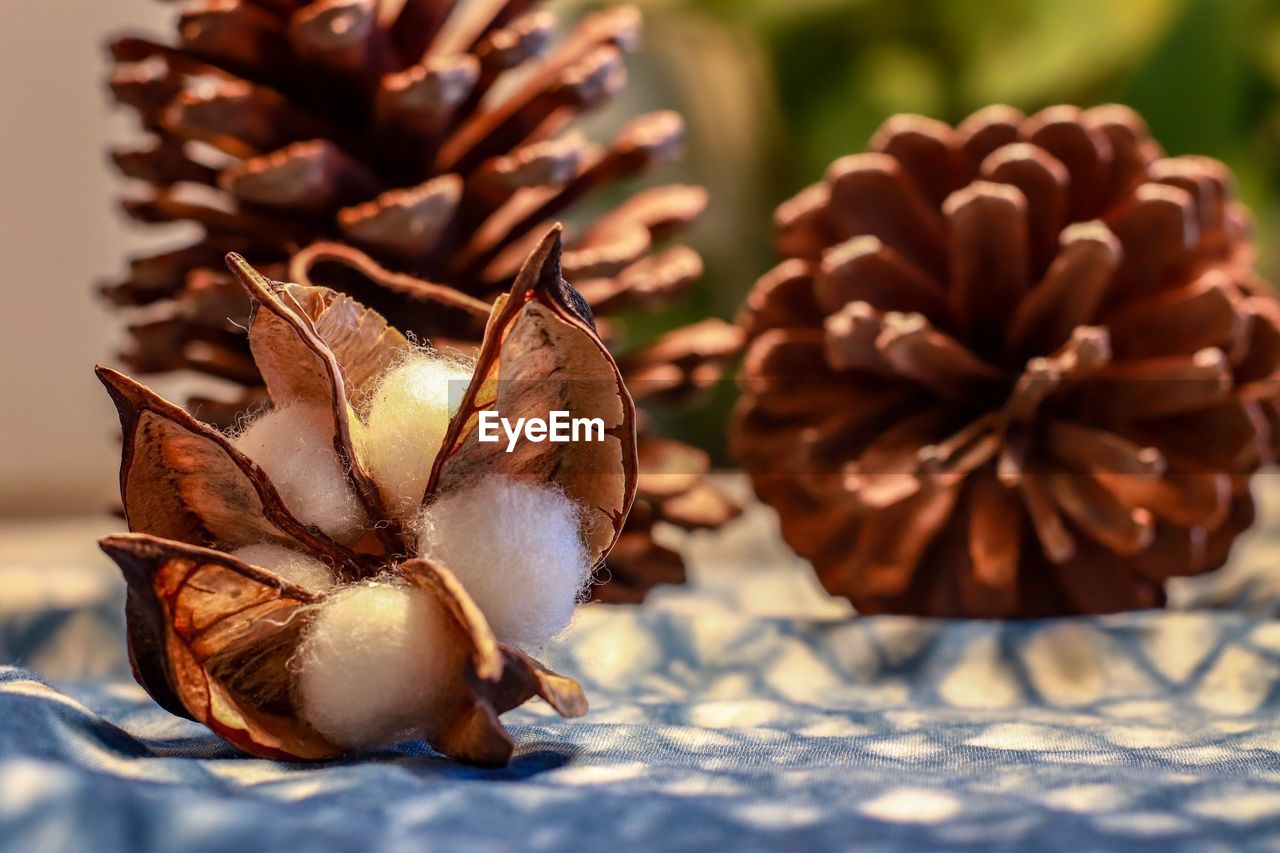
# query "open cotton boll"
(372, 663)
(516, 548)
(288, 564)
(294, 445)
(407, 420)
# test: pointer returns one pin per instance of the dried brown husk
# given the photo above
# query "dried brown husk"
(210, 636)
(670, 371)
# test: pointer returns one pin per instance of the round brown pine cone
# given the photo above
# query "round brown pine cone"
(430, 140)
(1017, 367)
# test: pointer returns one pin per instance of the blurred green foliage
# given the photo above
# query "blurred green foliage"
(774, 90)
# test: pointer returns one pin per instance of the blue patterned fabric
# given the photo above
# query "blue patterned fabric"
(744, 712)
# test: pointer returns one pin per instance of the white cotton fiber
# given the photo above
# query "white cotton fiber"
(371, 664)
(517, 549)
(295, 567)
(294, 445)
(407, 420)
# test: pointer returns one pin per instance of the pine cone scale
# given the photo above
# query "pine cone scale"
(1071, 290)
(988, 259)
(871, 194)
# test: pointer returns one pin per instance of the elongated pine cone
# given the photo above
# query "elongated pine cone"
(1017, 367)
(394, 149)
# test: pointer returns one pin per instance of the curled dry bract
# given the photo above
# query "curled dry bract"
(212, 637)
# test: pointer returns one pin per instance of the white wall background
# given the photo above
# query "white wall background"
(60, 234)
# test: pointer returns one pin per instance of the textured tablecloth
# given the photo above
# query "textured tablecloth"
(746, 711)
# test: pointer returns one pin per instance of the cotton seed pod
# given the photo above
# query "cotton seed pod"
(260, 626)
